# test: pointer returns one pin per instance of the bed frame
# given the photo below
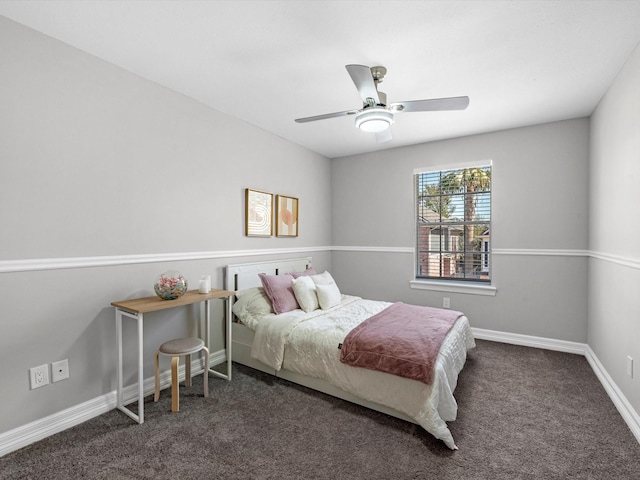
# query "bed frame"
(245, 275)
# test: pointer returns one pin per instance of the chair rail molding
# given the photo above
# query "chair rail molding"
(35, 264)
(30, 265)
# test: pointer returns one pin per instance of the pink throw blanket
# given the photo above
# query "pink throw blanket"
(402, 340)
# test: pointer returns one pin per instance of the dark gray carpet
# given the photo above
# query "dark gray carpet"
(523, 414)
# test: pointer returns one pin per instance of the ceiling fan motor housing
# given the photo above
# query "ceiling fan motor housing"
(374, 119)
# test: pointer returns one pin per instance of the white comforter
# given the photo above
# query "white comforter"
(307, 343)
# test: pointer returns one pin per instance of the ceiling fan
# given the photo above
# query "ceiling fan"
(375, 115)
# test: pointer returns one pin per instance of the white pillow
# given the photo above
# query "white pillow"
(328, 295)
(324, 278)
(305, 292)
(250, 305)
(327, 290)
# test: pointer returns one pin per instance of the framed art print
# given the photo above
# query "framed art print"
(258, 213)
(286, 216)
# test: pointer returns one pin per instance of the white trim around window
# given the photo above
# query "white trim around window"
(472, 288)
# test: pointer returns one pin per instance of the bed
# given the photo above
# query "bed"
(302, 347)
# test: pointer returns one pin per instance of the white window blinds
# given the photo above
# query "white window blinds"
(453, 224)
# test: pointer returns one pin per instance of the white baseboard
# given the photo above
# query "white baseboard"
(57, 422)
(530, 341)
(40, 429)
(43, 428)
(629, 415)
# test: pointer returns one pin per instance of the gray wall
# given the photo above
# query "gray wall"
(614, 233)
(99, 163)
(539, 226)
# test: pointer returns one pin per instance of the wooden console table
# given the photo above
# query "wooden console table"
(137, 307)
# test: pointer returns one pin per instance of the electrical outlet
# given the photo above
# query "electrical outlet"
(629, 366)
(59, 370)
(446, 302)
(39, 376)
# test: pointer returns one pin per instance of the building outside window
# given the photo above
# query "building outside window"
(453, 224)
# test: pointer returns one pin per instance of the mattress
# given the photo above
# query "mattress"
(307, 344)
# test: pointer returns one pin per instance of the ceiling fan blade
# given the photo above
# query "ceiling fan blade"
(326, 115)
(363, 79)
(431, 105)
(384, 136)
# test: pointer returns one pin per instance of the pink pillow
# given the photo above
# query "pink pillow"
(307, 272)
(280, 291)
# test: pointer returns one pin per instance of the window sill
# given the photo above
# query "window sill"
(454, 287)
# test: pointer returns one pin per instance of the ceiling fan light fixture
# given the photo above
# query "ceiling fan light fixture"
(374, 120)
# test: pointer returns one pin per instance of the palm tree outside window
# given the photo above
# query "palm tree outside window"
(453, 224)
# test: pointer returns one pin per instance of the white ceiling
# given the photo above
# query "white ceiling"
(269, 62)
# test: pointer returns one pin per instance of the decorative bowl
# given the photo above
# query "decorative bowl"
(170, 285)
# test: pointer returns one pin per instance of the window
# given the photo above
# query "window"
(453, 224)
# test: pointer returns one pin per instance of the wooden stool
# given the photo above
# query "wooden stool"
(176, 348)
